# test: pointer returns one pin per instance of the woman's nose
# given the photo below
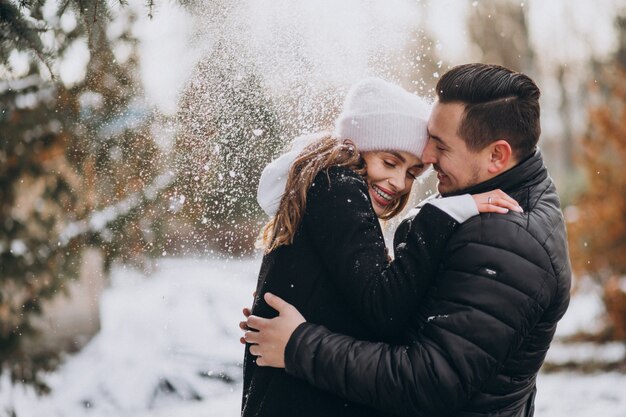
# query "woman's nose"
(397, 182)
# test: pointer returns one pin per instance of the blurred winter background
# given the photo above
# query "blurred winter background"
(132, 135)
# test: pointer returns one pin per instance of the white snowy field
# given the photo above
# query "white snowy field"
(169, 346)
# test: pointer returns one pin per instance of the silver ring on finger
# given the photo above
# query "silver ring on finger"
(489, 200)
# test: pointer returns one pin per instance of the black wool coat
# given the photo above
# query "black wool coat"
(483, 329)
(336, 272)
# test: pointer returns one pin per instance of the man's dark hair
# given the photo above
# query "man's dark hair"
(499, 104)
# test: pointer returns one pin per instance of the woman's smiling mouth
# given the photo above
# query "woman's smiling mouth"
(382, 195)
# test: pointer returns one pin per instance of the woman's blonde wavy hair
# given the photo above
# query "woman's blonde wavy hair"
(320, 155)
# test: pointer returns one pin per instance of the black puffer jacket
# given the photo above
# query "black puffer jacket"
(483, 329)
(336, 273)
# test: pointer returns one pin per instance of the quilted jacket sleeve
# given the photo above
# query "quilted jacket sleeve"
(486, 301)
(346, 232)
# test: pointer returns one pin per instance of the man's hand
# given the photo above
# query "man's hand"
(246, 312)
(270, 339)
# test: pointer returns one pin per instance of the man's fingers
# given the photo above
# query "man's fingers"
(256, 322)
(255, 350)
(252, 337)
(276, 302)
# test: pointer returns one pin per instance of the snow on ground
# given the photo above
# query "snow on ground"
(585, 312)
(169, 346)
(570, 394)
(170, 339)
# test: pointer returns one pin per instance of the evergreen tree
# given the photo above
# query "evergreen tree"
(229, 130)
(37, 190)
(78, 167)
(116, 154)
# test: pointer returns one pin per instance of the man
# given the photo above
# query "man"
(481, 333)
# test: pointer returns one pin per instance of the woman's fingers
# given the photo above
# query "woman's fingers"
(504, 200)
(496, 201)
(501, 204)
(507, 203)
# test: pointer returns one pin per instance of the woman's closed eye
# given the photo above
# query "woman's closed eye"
(390, 164)
(415, 171)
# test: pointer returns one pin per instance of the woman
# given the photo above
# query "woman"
(325, 251)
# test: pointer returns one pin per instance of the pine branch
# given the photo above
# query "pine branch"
(23, 34)
(63, 7)
(98, 220)
(150, 8)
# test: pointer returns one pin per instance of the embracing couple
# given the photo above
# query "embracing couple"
(459, 323)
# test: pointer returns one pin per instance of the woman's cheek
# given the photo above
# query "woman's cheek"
(409, 185)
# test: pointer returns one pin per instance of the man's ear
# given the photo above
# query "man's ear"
(500, 157)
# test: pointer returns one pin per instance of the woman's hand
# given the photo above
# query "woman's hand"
(496, 201)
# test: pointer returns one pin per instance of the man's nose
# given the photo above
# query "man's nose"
(429, 156)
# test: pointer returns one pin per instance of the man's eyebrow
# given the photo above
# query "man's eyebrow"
(436, 138)
(430, 134)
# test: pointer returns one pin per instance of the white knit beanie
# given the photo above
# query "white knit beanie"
(378, 115)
